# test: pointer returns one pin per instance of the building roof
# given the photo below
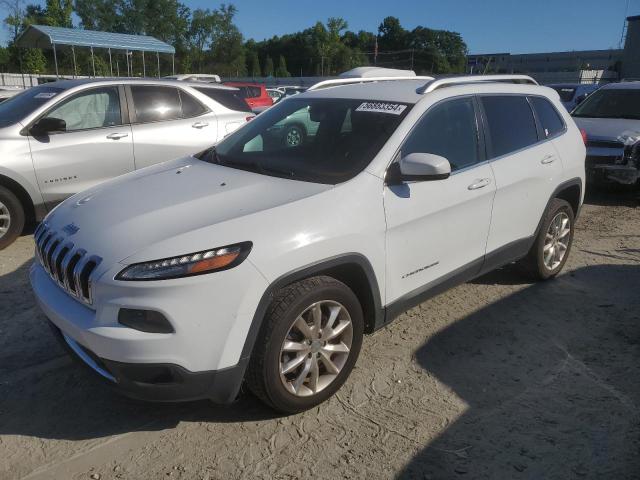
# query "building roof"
(42, 36)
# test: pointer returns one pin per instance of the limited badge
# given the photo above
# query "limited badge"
(382, 107)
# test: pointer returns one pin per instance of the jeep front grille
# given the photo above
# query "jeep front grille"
(69, 266)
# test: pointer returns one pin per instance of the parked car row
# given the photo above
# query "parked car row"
(264, 259)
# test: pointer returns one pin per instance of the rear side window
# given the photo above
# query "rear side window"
(510, 122)
(154, 104)
(227, 98)
(190, 106)
(449, 130)
(548, 116)
(249, 91)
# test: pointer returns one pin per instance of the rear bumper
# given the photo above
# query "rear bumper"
(157, 382)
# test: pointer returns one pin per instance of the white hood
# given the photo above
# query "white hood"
(122, 217)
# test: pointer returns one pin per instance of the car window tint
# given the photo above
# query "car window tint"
(548, 116)
(190, 106)
(230, 99)
(449, 130)
(153, 104)
(95, 108)
(511, 123)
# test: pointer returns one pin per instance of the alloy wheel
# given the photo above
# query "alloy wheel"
(5, 220)
(316, 348)
(556, 242)
(293, 137)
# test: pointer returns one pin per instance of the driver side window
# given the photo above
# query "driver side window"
(450, 130)
(95, 108)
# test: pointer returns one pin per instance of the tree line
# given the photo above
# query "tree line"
(208, 41)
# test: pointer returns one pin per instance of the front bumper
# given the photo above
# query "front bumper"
(157, 382)
(202, 358)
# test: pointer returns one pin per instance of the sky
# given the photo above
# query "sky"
(489, 26)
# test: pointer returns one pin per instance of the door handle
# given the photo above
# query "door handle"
(200, 125)
(548, 159)
(117, 136)
(479, 183)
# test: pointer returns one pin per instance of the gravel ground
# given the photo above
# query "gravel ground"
(498, 378)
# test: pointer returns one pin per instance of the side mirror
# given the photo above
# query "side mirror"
(419, 167)
(48, 125)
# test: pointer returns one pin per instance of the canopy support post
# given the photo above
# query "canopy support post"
(75, 67)
(93, 63)
(55, 59)
(110, 63)
(144, 66)
(158, 59)
(173, 64)
(127, 55)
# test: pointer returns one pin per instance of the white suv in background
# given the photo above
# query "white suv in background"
(266, 263)
(64, 137)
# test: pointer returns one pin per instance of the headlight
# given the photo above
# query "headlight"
(198, 263)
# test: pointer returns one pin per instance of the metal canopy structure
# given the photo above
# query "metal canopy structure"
(43, 36)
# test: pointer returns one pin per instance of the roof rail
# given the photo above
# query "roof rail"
(346, 81)
(463, 79)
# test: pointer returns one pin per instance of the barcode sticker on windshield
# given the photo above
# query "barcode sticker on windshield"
(382, 107)
(46, 95)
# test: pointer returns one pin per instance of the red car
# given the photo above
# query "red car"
(254, 94)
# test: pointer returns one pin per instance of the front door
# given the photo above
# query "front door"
(96, 146)
(438, 229)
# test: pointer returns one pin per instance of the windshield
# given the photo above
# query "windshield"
(19, 106)
(315, 140)
(566, 93)
(611, 103)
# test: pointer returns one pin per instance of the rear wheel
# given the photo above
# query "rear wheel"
(11, 217)
(551, 248)
(294, 136)
(309, 343)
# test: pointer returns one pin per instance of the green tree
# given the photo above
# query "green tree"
(254, 64)
(227, 50)
(392, 36)
(58, 13)
(34, 61)
(268, 67)
(282, 71)
(201, 31)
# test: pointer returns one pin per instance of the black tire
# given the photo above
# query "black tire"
(263, 373)
(533, 263)
(9, 204)
(294, 135)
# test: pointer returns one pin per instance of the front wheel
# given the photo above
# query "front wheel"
(309, 343)
(551, 248)
(11, 218)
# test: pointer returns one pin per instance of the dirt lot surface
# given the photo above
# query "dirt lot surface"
(498, 378)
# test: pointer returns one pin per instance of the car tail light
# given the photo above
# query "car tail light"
(584, 135)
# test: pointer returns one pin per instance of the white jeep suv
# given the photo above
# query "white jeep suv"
(265, 263)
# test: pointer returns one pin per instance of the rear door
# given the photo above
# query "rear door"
(527, 170)
(96, 146)
(438, 229)
(167, 123)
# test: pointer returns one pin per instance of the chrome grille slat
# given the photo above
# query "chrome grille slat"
(70, 267)
(54, 257)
